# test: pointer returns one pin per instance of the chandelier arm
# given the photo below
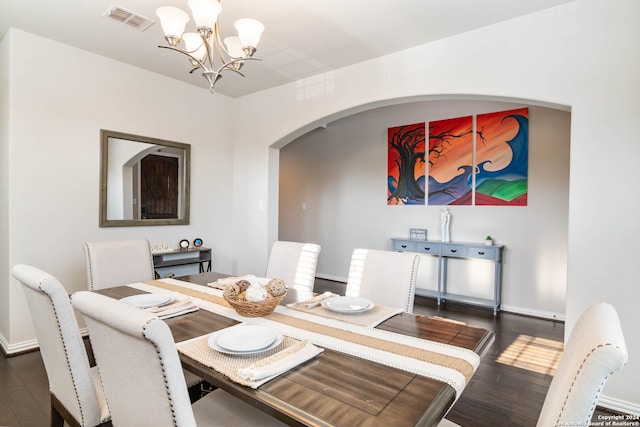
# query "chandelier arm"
(175, 49)
(227, 65)
(205, 36)
(222, 51)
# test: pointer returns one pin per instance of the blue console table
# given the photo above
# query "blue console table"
(446, 250)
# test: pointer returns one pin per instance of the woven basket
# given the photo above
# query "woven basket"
(255, 309)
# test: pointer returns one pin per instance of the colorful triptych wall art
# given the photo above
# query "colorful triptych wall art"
(406, 165)
(485, 163)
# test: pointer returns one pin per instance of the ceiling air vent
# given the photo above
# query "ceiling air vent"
(128, 18)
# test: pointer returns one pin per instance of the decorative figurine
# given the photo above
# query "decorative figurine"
(445, 222)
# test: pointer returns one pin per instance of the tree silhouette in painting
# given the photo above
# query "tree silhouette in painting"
(406, 183)
(438, 143)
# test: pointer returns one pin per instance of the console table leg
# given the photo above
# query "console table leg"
(439, 279)
(497, 287)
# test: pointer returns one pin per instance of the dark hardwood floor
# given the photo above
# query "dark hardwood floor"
(24, 391)
(508, 388)
(500, 394)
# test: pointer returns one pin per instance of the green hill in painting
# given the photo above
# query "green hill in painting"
(501, 189)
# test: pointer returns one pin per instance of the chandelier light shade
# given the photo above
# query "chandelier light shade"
(193, 43)
(205, 12)
(204, 48)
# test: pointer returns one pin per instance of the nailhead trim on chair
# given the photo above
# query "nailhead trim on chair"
(166, 384)
(595, 401)
(412, 285)
(89, 258)
(66, 354)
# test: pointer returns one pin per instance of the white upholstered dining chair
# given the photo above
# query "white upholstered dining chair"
(385, 277)
(141, 372)
(596, 349)
(75, 388)
(294, 262)
(118, 262)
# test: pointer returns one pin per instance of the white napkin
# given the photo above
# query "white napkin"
(316, 301)
(280, 362)
(221, 283)
(177, 308)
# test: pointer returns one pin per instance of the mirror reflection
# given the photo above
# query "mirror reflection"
(144, 181)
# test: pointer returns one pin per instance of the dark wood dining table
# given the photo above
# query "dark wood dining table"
(336, 389)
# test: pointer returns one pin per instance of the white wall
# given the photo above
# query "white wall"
(340, 174)
(582, 54)
(55, 116)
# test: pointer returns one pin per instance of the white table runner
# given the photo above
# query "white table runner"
(451, 376)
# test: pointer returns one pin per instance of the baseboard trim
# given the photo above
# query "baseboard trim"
(18, 348)
(617, 405)
(533, 313)
(26, 346)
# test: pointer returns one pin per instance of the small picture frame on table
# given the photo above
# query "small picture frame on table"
(418, 233)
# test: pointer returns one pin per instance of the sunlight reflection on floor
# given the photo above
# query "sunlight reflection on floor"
(533, 354)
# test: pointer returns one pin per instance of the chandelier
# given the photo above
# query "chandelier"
(204, 47)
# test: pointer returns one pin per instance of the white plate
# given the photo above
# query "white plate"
(348, 304)
(246, 338)
(213, 340)
(148, 300)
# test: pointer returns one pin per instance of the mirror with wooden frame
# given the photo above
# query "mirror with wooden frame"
(143, 180)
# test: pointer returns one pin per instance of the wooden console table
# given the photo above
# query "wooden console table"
(199, 256)
(446, 250)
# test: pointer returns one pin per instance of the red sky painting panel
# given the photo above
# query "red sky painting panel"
(406, 165)
(502, 145)
(450, 161)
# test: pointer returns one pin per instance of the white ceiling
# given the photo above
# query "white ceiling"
(302, 37)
